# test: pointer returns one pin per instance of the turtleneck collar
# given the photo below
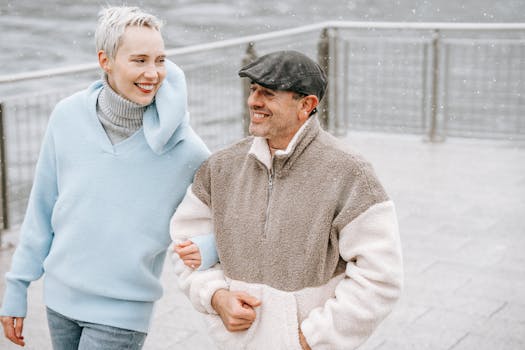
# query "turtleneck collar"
(118, 110)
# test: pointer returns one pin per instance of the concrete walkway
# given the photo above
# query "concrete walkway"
(461, 207)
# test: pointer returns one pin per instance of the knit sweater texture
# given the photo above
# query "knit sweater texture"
(98, 214)
(119, 116)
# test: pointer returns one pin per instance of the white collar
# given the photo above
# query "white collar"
(261, 150)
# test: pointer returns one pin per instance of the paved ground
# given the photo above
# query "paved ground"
(461, 207)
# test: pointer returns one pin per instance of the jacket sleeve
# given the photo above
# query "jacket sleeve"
(36, 233)
(193, 219)
(371, 247)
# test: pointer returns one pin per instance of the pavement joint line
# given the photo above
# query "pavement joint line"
(459, 341)
(503, 305)
(379, 345)
(432, 264)
(425, 268)
(466, 243)
(423, 314)
(462, 285)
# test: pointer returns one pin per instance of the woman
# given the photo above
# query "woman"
(114, 165)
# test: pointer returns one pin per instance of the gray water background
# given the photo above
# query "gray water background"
(54, 33)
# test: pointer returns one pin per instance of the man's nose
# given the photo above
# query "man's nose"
(255, 100)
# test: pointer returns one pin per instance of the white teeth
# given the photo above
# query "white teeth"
(258, 115)
(145, 86)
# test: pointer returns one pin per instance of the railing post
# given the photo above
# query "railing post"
(343, 129)
(433, 135)
(3, 175)
(334, 116)
(250, 56)
(323, 58)
(425, 88)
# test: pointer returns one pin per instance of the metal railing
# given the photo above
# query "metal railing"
(433, 79)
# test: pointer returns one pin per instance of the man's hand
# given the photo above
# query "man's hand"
(189, 254)
(13, 327)
(236, 309)
(302, 341)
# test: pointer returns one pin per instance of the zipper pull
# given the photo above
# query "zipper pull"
(270, 179)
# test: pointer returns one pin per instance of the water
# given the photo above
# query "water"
(54, 33)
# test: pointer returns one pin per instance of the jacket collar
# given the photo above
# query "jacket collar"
(283, 160)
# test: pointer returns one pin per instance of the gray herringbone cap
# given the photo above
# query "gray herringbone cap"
(289, 71)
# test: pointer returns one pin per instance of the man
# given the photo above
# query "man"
(307, 238)
(115, 162)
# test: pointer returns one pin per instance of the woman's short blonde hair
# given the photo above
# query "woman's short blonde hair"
(112, 23)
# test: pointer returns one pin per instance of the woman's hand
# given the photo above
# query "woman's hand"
(13, 327)
(189, 253)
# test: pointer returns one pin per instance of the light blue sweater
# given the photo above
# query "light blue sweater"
(98, 216)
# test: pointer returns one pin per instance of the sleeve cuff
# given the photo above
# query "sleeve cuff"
(309, 334)
(207, 293)
(15, 299)
(207, 247)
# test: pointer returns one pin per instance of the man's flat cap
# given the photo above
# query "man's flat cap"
(289, 71)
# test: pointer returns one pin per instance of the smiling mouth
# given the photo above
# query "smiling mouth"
(259, 116)
(146, 88)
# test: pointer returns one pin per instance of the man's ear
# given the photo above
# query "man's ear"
(104, 61)
(308, 104)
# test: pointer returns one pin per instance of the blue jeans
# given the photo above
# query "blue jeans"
(69, 334)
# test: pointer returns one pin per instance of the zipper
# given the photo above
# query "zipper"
(270, 190)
